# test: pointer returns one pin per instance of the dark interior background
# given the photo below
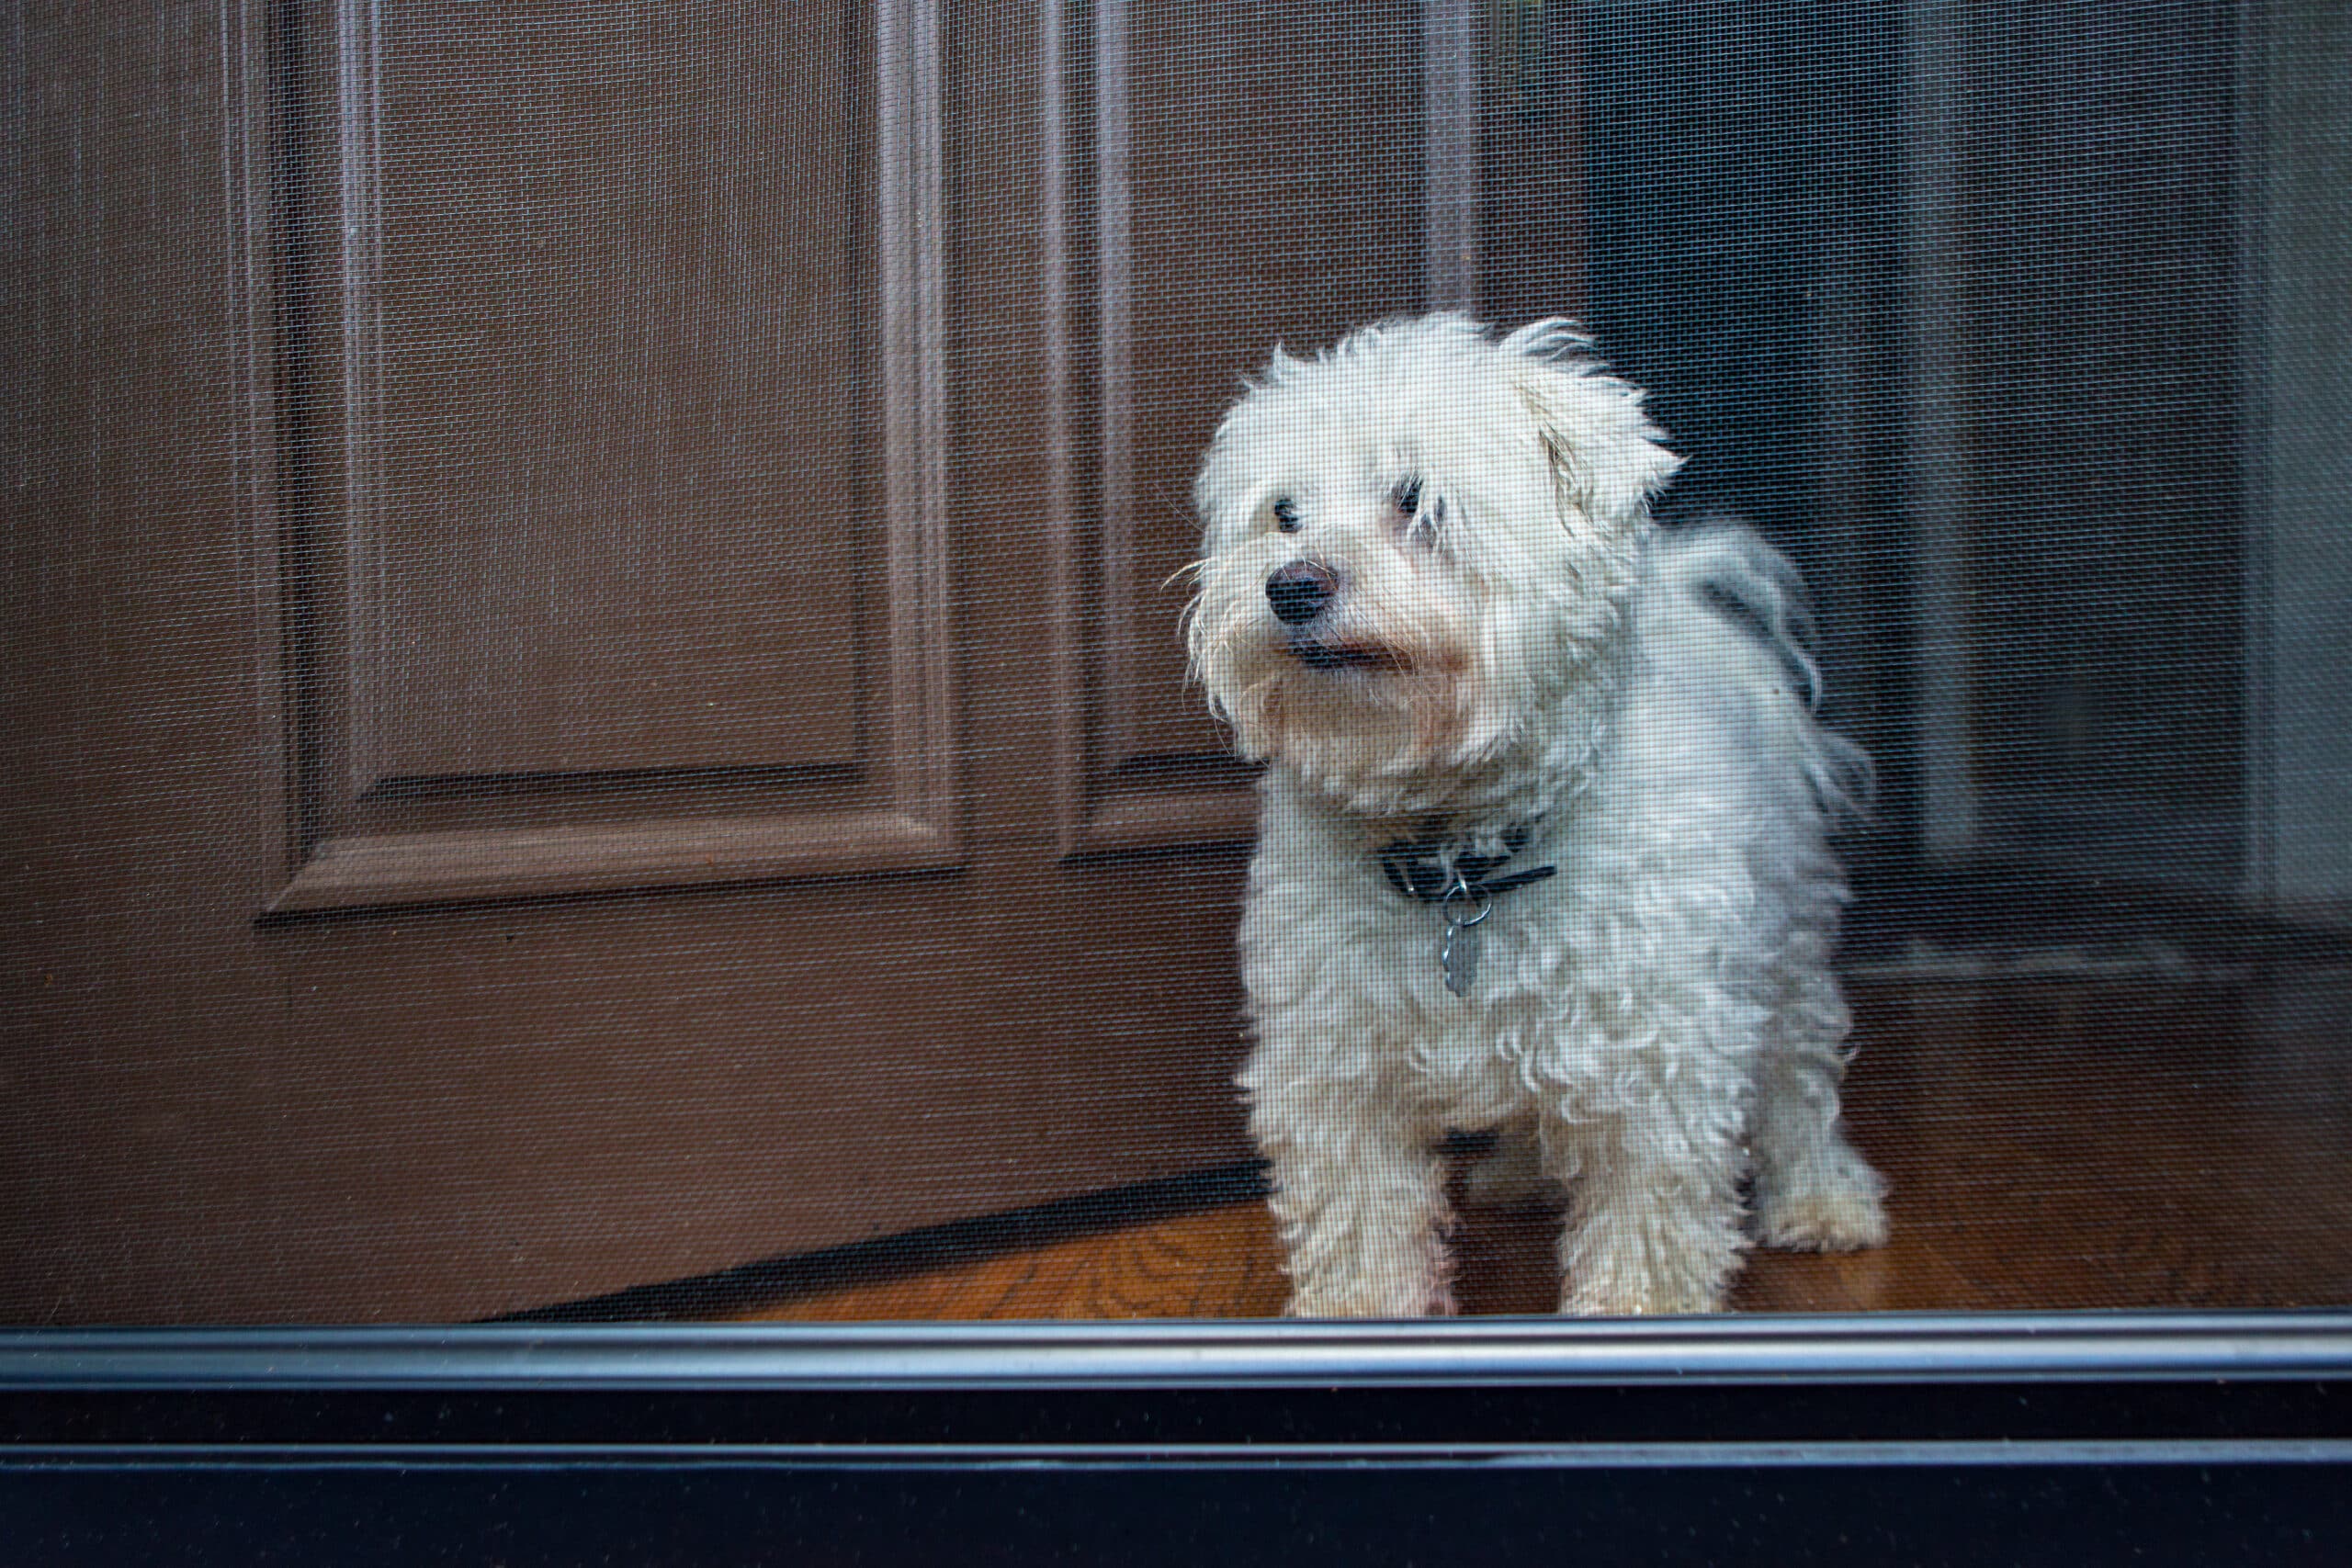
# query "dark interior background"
(1752, 179)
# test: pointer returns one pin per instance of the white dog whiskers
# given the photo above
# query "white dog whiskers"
(1544, 841)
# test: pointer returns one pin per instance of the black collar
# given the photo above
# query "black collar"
(1430, 867)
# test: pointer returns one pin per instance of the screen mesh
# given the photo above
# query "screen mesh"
(600, 726)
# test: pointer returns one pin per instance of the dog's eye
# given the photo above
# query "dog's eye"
(1420, 523)
(1286, 514)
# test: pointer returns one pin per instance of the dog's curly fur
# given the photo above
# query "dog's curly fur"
(1496, 641)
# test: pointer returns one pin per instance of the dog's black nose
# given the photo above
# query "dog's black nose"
(1299, 592)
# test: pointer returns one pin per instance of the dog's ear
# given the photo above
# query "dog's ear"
(1607, 458)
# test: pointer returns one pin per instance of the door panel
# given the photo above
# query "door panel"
(588, 719)
(1251, 216)
(1233, 207)
(616, 352)
(610, 567)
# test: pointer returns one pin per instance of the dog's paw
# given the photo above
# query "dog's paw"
(1841, 1214)
(1432, 1301)
(1684, 1299)
(1657, 1275)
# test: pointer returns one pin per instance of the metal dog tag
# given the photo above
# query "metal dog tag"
(1459, 957)
(1464, 909)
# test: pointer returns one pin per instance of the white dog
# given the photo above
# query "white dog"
(1543, 843)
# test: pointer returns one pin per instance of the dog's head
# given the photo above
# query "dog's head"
(1414, 543)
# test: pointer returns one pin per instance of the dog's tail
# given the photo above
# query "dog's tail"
(1724, 565)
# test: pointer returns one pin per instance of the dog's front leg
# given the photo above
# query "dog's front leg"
(1359, 1195)
(1654, 1211)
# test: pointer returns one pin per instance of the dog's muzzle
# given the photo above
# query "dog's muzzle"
(1298, 593)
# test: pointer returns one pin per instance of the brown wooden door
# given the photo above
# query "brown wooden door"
(592, 694)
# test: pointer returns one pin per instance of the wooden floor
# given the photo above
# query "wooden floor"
(2057, 1136)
